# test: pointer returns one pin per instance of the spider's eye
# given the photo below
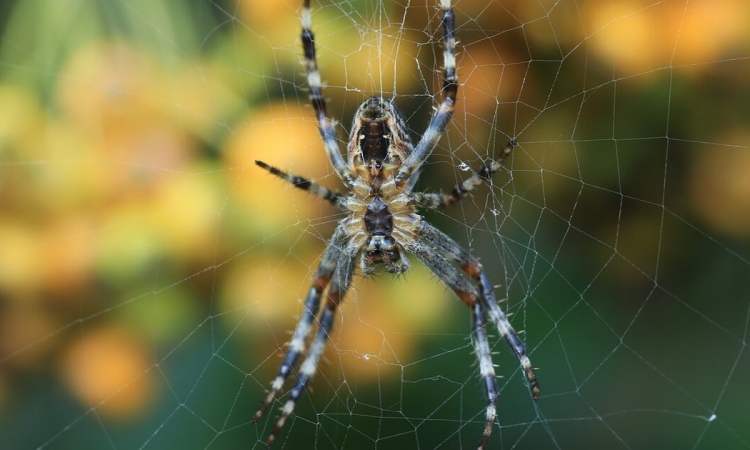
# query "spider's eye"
(373, 108)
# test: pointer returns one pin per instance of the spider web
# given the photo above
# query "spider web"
(150, 272)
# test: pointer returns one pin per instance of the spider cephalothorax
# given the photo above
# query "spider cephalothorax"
(381, 225)
(379, 142)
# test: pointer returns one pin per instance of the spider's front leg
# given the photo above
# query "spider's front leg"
(439, 122)
(318, 101)
(335, 272)
(332, 197)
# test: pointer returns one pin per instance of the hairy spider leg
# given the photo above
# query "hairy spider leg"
(444, 113)
(448, 247)
(486, 367)
(327, 130)
(442, 244)
(321, 280)
(435, 200)
(455, 280)
(340, 283)
(303, 183)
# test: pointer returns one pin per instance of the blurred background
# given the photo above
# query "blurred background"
(150, 272)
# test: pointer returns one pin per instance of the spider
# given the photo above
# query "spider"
(382, 225)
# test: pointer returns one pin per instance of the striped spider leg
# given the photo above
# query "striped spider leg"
(335, 273)
(434, 200)
(437, 251)
(381, 225)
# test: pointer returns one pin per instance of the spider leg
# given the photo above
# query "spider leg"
(327, 130)
(442, 117)
(456, 280)
(321, 280)
(312, 187)
(340, 283)
(428, 247)
(444, 245)
(486, 367)
(435, 200)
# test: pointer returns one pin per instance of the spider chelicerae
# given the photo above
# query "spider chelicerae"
(382, 225)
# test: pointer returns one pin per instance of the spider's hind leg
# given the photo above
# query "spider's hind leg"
(444, 245)
(325, 275)
(439, 252)
(455, 279)
(486, 367)
(342, 278)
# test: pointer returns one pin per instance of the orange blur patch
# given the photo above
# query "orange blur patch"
(710, 29)
(718, 185)
(69, 256)
(271, 289)
(383, 321)
(634, 37)
(109, 370)
(641, 36)
(24, 332)
(287, 138)
(19, 258)
(276, 21)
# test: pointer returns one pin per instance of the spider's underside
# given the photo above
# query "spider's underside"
(382, 225)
